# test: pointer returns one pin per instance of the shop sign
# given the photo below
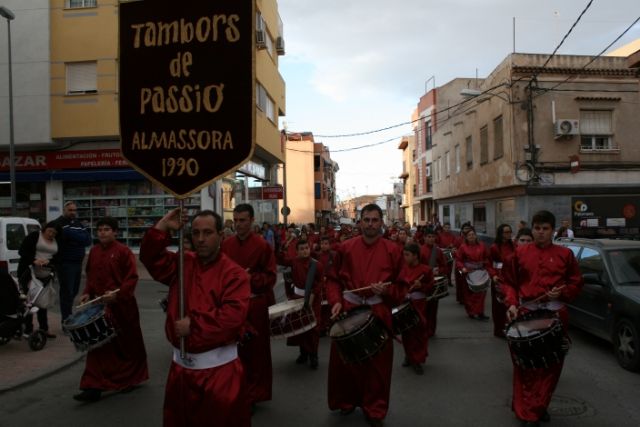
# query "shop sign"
(274, 192)
(59, 160)
(605, 216)
(187, 89)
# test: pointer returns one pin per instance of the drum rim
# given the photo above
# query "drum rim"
(295, 304)
(100, 313)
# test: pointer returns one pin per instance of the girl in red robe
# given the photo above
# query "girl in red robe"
(473, 255)
(501, 251)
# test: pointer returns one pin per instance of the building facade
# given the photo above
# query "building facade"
(67, 129)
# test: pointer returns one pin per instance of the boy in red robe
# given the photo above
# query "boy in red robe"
(419, 277)
(121, 363)
(206, 386)
(432, 255)
(540, 276)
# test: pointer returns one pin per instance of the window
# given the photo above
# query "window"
(469, 154)
(318, 190)
(82, 77)
(413, 154)
(498, 138)
(316, 162)
(591, 262)
(596, 130)
(264, 102)
(457, 158)
(15, 235)
(428, 142)
(447, 163)
(484, 145)
(73, 4)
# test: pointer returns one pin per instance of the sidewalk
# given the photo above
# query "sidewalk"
(19, 365)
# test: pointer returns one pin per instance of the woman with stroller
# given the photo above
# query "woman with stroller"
(38, 250)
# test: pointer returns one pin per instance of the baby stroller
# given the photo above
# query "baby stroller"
(14, 307)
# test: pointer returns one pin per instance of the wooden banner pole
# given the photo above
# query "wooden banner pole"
(183, 352)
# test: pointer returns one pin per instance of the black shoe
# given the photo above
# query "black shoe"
(302, 359)
(88, 395)
(483, 317)
(417, 368)
(406, 363)
(347, 411)
(524, 423)
(375, 422)
(48, 334)
(313, 361)
(545, 418)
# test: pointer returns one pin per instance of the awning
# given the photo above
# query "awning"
(76, 175)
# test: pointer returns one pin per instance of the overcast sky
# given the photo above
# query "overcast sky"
(355, 66)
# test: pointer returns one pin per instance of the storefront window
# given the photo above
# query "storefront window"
(30, 200)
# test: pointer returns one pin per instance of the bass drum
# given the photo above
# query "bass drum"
(359, 335)
(536, 340)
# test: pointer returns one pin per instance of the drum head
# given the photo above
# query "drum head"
(527, 328)
(85, 316)
(354, 320)
(285, 307)
(477, 277)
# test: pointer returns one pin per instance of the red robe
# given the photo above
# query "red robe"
(326, 259)
(308, 341)
(359, 264)
(256, 256)
(499, 254)
(446, 239)
(443, 270)
(121, 362)
(416, 340)
(217, 302)
(531, 272)
(478, 253)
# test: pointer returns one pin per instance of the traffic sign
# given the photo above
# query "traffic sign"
(286, 211)
(187, 89)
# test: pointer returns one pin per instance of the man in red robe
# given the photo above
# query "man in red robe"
(120, 363)
(433, 256)
(255, 255)
(301, 272)
(373, 262)
(540, 276)
(206, 386)
(446, 239)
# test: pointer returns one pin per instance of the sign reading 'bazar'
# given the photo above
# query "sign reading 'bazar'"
(187, 106)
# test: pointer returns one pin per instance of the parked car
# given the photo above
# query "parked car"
(12, 231)
(609, 304)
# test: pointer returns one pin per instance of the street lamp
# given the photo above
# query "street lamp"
(9, 16)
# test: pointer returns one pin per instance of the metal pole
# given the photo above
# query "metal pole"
(181, 304)
(12, 154)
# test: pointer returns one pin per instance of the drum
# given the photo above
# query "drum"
(536, 340)
(89, 328)
(440, 288)
(405, 317)
(359, 336)
(290, 318)
(478, 280)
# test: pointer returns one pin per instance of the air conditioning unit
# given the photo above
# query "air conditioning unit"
(261, 39)
(280, 46)
(566, 127)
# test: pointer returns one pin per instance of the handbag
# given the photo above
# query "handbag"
(42, 295)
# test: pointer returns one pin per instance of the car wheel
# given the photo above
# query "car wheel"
(37, 340)
(4, 340)
(626, 343)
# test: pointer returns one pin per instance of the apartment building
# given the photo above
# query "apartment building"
(65, 65)
(562, 137)
(408, 176)
(310, 180)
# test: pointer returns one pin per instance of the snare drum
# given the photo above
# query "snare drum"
(89, 328)
(405, 317)
(536, 340)
(359, 336)
(440, 288)
(290, 318)
(478, 280)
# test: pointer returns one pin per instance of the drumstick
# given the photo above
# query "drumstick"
(365, 287)
(94, 300)
(541, 297)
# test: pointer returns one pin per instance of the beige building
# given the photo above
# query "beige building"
(310, 180)
(408, 176)
(76, 154)
(562, 137)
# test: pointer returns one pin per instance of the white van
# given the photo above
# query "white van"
(12, 231)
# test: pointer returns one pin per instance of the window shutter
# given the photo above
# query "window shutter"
(82, 77)
(595, 123)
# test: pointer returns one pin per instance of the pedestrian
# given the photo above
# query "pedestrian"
(206, 386)
(419, 279)
(432, 255)
(253, 253)
(121, 363)
(540, 277)
(38, 257)
(307, 275)
(564, 230)
(473, 256)
(500, 251)
(268, 235)
(373, 262)
(72, 238)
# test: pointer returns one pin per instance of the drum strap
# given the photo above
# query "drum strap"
(311, 274)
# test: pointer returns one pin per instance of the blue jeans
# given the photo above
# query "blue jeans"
(69, 275)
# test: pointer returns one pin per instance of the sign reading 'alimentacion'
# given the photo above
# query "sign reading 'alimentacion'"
(187, 105)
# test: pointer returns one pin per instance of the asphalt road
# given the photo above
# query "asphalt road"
(467, 382)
